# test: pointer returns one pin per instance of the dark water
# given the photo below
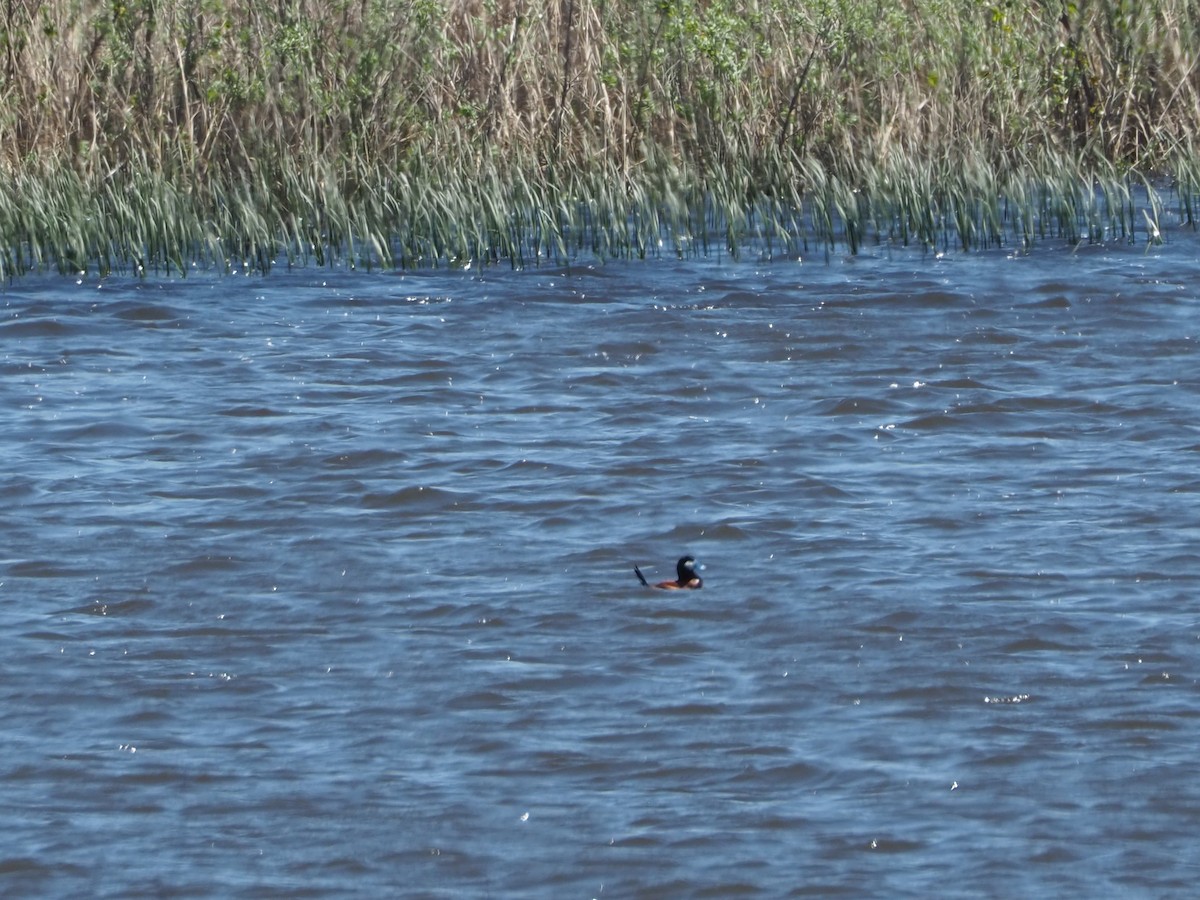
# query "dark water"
(320, 584)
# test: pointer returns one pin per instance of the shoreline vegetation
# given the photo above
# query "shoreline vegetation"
(165, 135)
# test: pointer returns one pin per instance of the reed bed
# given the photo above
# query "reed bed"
(165, 135)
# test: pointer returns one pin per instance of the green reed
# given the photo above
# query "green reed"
(314, 213)
(150, 136)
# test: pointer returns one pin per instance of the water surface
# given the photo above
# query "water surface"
(321, 584)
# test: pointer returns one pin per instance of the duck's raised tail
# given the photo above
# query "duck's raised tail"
(641, 577)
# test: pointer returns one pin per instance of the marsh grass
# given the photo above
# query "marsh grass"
(149, 135)
(314, 214)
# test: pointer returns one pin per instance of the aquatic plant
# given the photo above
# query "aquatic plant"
(150, 134)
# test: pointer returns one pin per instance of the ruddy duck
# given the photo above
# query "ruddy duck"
(687, 580)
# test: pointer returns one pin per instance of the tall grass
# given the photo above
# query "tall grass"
(144, 134)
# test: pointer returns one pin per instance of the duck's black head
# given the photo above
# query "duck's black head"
(686, 569)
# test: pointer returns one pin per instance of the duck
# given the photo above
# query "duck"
(687, 578)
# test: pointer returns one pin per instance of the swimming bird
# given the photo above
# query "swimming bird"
(687, 578)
